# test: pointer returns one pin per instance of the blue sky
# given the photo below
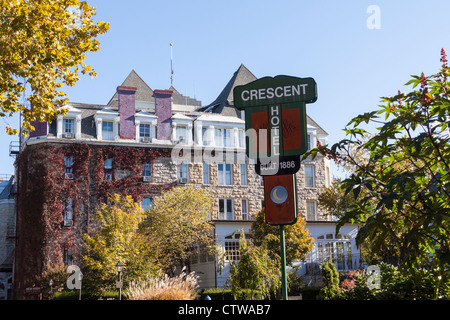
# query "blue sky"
(327, 40)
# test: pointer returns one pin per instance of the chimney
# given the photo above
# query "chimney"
(127, 109)
(40, 129)
(163, 110)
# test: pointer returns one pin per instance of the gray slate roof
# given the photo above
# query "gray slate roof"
(224, 103)
(145, 93)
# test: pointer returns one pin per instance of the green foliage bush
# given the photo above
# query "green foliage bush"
(75, 295)
(419, 284)
(295, 283)
(330, 276)
(311, 293)
(226, 294)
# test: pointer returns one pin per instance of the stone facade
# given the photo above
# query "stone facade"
(7, 237)
(165, 171)
(173, 151)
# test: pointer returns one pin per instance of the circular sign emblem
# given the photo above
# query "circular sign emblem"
(278, 194)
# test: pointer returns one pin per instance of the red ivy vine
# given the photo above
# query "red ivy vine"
(44, 192)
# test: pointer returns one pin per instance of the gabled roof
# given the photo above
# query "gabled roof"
(143, 92)
(224, 103)
(311, 122)
(178, 98)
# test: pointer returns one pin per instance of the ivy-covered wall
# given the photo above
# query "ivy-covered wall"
(44, 190)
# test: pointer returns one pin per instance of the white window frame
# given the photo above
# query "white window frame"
(245, 209)
(231, 246)
(183, 171)
(145, 130)
(206, 173)
(224, 137)
(68, 212)
(68, 164)
(148, 119)
(244, 175)
(228, 213)
(69, 125)
(107, 114)
(336, 248)
(206, 136)
(108, 135)
(147, 170)
(311, 205)
(182, 121)
(181, 134)
(108, 166)
(241, 138)
(310, 176)
(223, 174)
(72, 114)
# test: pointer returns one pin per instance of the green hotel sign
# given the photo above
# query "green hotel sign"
(275, 119)
(277, 90)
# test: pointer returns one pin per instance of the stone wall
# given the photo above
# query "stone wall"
(165, 171)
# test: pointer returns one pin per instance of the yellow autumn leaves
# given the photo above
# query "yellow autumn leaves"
(42, 47)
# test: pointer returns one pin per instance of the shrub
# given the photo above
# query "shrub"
(296, 283)
(421, 284)
(181, 287)
(331, 288)
(217, 294)
(311, 293)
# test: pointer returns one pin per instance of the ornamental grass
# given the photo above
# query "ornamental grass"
(163, 287)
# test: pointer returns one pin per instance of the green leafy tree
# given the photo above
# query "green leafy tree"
(117, 239)
(42, 47)
(334, 200)
(297, 238)
(256, 271)
(405, 181)
(330, 276)
(337, 202)
(178, 227)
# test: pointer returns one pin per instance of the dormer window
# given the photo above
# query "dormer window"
(69, 128)
(145, 127)
(182, 129)
(107, 122)
(144, 130)
(107, 130)
(181, 134)
(69, 125)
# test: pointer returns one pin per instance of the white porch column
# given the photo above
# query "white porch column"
(116, 129)
(174, 131)
(78, 127)
(137, 123)
(98, 124)
(59, 126)
(198, 139)
(189, 134)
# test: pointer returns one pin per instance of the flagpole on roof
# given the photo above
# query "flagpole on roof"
(171, 69)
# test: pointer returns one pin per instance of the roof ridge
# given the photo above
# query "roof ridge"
(132, 73)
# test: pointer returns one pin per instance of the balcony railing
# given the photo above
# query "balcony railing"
(14, 148)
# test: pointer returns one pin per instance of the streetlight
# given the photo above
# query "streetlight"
(80, 277)
(119, 269)
(51, 289)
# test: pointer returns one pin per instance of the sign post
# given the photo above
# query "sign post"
(276, 136)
